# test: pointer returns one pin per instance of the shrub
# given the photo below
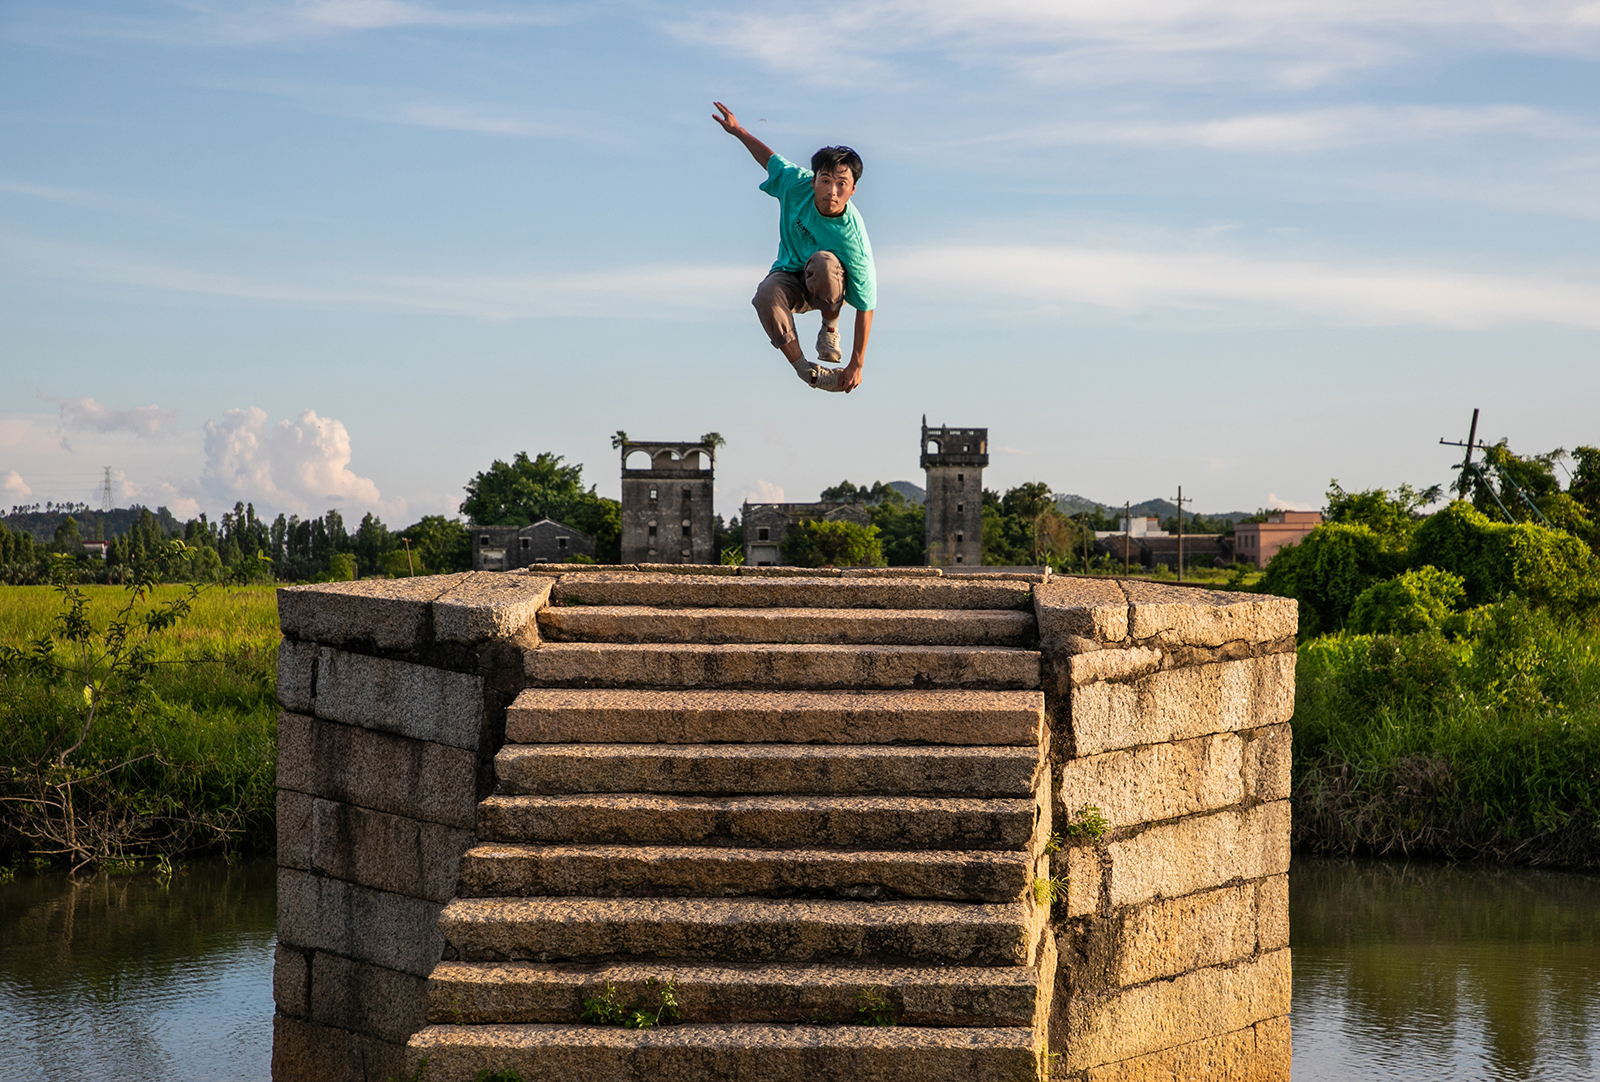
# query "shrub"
(341, 567)
(824, 543)
(1550, 568)
(1418, 600)
(1328, 570)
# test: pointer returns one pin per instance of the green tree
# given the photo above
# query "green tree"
(67, 537)
(441, 544)
(825, 543)
(371, 542)
(1328, 569)
(528, 489)
(1390, 516)
(1550, 569)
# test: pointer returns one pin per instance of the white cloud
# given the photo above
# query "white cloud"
(85, 413)
(1318, 129)
(1287, 42)
(765, 492)
(297, 465)
(1274, 503)
(1130, 282)
(15, 487)
(637, 292)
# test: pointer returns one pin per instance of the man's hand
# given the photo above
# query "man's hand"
(730, 124)
(850, 376)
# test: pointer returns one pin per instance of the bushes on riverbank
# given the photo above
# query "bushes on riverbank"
(186, 762)
(1479, 739)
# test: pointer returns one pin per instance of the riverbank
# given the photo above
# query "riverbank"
(199, 739)
(1484, 745)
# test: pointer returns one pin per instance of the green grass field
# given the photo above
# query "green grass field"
(206, 720)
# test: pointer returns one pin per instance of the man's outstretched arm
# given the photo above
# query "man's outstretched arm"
(850, 378)
(730, 124)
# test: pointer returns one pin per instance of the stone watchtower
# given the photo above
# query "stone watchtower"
(666, 503)
(954, 459)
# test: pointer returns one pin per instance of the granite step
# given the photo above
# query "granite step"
(855, 822)
(488, 993)
(882, 627)
(792, 769)
(494, 870)
(683, 930)
(679, 716)
(728, 1053)
(725, 592)
(774, 666)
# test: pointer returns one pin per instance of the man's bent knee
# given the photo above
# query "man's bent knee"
(825, 278)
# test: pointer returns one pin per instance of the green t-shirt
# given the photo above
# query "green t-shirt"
(803, 231)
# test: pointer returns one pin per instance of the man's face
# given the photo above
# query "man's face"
(832, 189)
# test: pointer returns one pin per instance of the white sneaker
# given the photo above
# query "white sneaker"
(828, 344)
(816, 375)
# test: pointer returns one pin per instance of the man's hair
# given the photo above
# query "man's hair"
(833, 157)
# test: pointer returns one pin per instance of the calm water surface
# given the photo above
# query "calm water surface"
(1401, 972)
(126, 978)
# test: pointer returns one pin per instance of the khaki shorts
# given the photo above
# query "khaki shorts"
(783, 294)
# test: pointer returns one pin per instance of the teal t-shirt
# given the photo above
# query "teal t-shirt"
(803, 231)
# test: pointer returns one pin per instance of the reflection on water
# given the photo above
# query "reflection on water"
(1413, 972)
(125, 978)
(1435, 971)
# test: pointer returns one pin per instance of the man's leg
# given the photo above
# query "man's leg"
(779, 296)
(824, 278)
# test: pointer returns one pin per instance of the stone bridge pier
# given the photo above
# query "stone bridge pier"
(1038, 825)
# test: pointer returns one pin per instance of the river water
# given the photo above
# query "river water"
(1401, 972)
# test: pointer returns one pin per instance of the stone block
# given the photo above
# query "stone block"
(1257, 1054)
(378, 614)
(296, 666)
(1093, 1031)
(1183, 616)
(1272, 913)
(1172, 936)
(1180, 703)
(306, 1052)
(387, 852)
(1113, 664)
(1267, 757)
(1088, 608)
(295, 830)
(491, 605)
(400, 697)
(809, 589)
(1157, 781)
(291, 982)
(390, 930)
(378, 770)
(1174, 859)
(1083, 880)
(367, 999)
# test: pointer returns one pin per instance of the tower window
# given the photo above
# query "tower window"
(652, 492)
(561, 542)
(652, 529)
(961, 477)
(527, 542)
(686, 529)
(483, 542)
(763, 533)
(958, 557)
(960, 508)
(687, 494)
(960, 538)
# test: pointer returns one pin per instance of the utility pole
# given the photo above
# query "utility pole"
(1467, 469)
(1181, 502)
(411, 567)
(1127, 535)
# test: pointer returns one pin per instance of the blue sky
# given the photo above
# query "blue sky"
(347, 252)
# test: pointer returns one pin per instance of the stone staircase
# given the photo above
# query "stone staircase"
(810, 803)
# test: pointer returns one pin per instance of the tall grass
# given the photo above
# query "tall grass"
(1483, 743)
(199, 738)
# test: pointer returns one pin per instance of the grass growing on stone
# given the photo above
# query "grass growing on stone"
(203, 730)
(1481, 744)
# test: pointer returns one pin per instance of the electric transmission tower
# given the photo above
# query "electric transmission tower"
(105, 493)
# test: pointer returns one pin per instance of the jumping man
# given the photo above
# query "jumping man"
(824, 257)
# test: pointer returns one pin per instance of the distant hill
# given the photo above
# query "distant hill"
(915, 493)
(42, 524)
(1069, 504)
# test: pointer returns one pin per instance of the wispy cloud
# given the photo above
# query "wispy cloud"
(630, 292)
(1317, 129)
(1130, 282)
(1287, 42)
(86, 414)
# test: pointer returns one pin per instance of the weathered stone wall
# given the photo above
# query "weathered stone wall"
(394, 696)
(1169, 709)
